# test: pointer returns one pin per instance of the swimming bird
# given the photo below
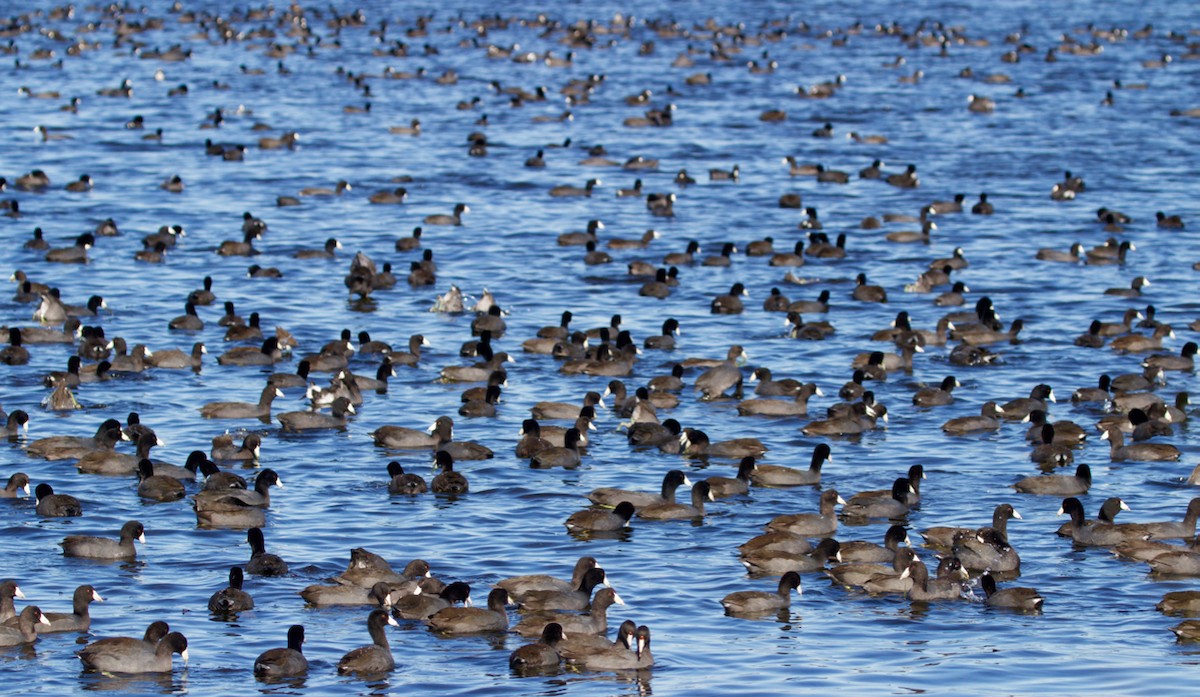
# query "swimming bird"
(376, 657)
(819, 524)
(474, 620)
(1020, 599)
(103, 547)
(262, 562)
(754, 603)
(543, 653)
(232, 598)
(284, 662)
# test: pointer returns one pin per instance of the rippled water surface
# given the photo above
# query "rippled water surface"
(1099, 626)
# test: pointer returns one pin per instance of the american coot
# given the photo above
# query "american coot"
(224, 450)
(234, 499)
(448, 481)
(52, 505)
(864, 292)
(18, 484)
(178, 360)
(236, 516)
(411, 357)
(424, 605)
(596, 520)
(367, 568)
(859, 573)
(402, 438)
(1092, 533)
(1187, 630)
(1177, 563)
(797, 406)
(1179, 603)
(133, 656)
(252, 331)
(778, 562)
(482, 407)
(696, 444)
(988, 420)
(16, 423)
(108, 461)
(617, 658)
(1058, 484)
(75, 447)
(1186, 360)
(262, 562)
(214, 478)
(471, 620)
(368, 346)
(596, 622)
(1021, 599)
(565, 410)
(987, 549)
(765, 384)
(889, 583)
(762, 602)
(402, 482)
(189, 321)
(568, 190)
(454, 218)
(157, 487)
(25, 632)
(1137, 343)
(780, 475)
(566, 456)
(103, 547)
(575, 599)
(665, 340)
(14, 353)
(664, 436)
(1146, 550)
(1065, 432)
(379, 383)
(578, 648)
(75, 254)
(725, 486)
(861, 551)
(379, 595)
(893, 507)
(730, 303)
(155, 632)
(912, 497)
(925, 589)
(542, 653)
(942, 537)
(936, 396)
(413, 241)
(283, 662)
(78, 620)
(517, 586)
(609, 496)
(243, 410)
(9, 590)
(267, 354)
(1165, 530)
(1137, 452)
(680, 511)
(811, 524)
(295, 421)
(531, 440)
(231, 598)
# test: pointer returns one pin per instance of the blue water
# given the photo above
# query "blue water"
(1134, 155)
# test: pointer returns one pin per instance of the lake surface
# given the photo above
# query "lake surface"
(1099, 625)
